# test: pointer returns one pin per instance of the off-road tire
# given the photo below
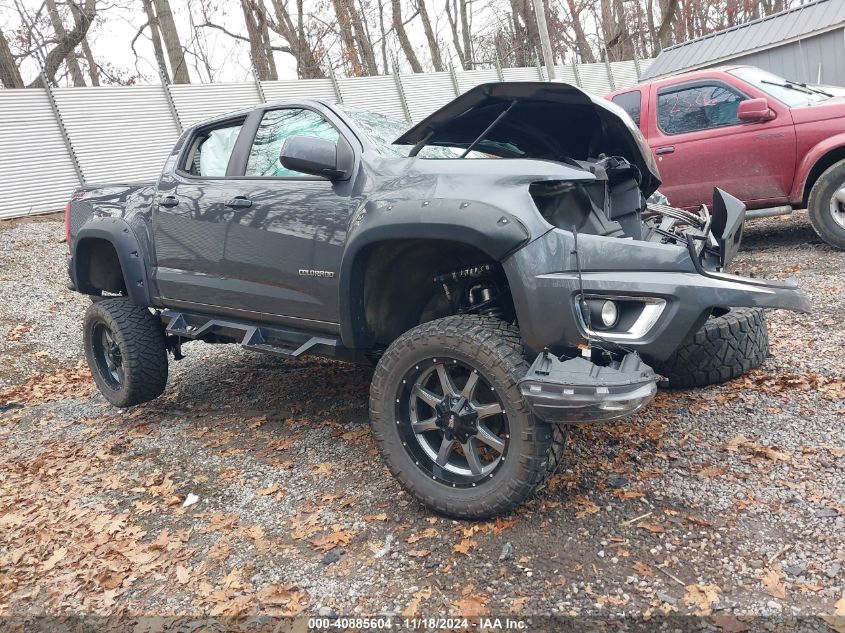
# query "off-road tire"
(139, 337)
(724, 348)
(494, 349)
(819, 203)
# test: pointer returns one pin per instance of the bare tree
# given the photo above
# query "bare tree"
(258, 35)
(10, 76)
(431, 36)
(457, 15)
(59, 28)
(155, 36)
(172, 44)
(585, 52)
(295, 31)
(402, 36)
(64, 45)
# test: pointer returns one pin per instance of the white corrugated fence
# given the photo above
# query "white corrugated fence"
(53, 141)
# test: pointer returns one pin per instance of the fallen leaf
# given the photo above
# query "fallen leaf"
(587, 507)
(464, 546)
(642, 568)
(270, 489)
(413, 606)
(333, 539)
(773, 583)
(419, 553)
(470, 606)
(654, 528)
(426, 533)
(322, 469)
(54, 559)
(701, 597)
(183, 576)
(375, 517)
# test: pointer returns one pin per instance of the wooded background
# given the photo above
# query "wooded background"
(202, 41)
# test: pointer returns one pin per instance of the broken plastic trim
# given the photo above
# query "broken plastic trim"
(577, 390)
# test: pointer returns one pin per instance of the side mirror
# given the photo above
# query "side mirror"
(314, 156)
(755, 111)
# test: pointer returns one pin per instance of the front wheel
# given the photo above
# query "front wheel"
(826, 205)
(450, 421)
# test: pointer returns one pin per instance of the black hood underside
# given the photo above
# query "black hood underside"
(553, 121)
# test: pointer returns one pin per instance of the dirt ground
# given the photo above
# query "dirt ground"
(726, 502)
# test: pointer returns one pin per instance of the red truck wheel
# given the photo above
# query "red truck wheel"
(827, 205)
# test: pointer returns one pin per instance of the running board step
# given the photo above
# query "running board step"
(260, 338)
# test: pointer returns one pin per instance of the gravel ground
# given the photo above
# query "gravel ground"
(727, 501)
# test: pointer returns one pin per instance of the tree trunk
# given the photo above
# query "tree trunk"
(585, 51)
(257, 48)
(365, 47)
(65, 45)
(465, 28)
(307, 64)
(431, 36)
(61, 34)
(93, 69)
(155, 36)
(172, 44)
(664, 31)
(403, 37)
(452, 16)
(10, 76)
(383, 32)
(347, 38)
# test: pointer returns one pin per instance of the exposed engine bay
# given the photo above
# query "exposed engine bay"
(613, 205)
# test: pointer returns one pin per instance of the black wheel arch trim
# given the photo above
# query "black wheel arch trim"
(120, 235)
(489, 229)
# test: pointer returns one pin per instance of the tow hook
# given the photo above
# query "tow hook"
(578, 390)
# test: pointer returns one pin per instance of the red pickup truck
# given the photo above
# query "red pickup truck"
(775, 144)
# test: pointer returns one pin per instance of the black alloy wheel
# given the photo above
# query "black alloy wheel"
(452, 423)
(107, 355)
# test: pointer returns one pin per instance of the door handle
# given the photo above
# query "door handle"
(669, 149)
(168, 201)
(239, 202)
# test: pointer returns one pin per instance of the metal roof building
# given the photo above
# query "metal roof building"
(805, 43)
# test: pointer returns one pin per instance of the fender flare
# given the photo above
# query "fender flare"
(816, 153)
(489, 229)
(119, 234)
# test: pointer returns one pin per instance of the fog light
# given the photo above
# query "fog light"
(609, 314)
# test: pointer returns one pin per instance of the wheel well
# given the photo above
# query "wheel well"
(98, 267)
(822, 165)
(400, 290)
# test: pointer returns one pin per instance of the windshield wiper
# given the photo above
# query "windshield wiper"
(810, 88)
(789, 85)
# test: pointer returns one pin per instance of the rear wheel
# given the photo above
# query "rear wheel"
(724, 348)
(450, 421)
(125, 350)
(826, 205)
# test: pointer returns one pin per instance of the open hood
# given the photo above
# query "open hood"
(553, 121)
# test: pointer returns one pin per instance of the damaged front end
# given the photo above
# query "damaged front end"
(578, 390)
(607, 282)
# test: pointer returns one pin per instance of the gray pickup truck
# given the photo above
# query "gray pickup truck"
(498, 263)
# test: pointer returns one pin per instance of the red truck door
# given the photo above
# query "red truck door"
(699, 143)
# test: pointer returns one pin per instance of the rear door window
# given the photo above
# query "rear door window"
(630, 102)
(211, 150)
(699, 107)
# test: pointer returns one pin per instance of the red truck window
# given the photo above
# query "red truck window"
(630, 102)
(698, 107)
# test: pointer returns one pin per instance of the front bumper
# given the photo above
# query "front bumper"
(547, 285)
(576, 390)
